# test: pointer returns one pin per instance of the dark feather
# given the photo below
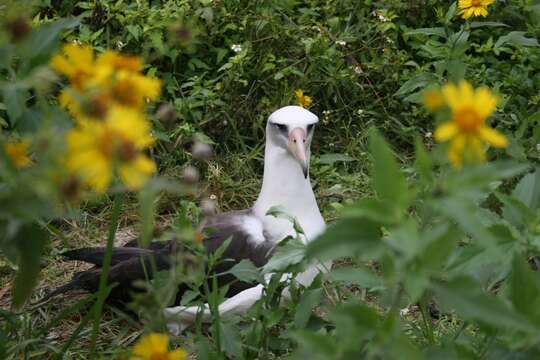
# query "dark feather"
(95, 255)
(131, 263)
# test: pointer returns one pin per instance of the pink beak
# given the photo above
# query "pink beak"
(297, 147)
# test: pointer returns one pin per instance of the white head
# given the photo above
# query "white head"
(291, 129)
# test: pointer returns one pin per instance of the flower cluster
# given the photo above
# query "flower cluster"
(155, 346)
(466, 129)
(107, 97)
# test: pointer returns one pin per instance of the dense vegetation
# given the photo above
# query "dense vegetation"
(435, 246)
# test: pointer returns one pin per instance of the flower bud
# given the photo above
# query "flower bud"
(208, 207)
(201, 151)
(167, 115)
(18, 28)
(190, 175)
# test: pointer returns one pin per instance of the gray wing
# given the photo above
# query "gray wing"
(248, 238)
(248, 241)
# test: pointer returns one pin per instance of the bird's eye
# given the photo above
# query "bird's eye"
(281, 127)
(310, 127)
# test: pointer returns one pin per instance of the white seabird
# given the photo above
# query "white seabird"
(286, 183)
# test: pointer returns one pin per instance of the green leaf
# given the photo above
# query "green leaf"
(464, 212)
(15, 101)
(388, 181)
(347, 237)
(245, 271)
(515, 211)
(30, 240)
(474, 178)
(516, 38)
(354, 323)
(405, 239)
(479, 24)
(452, 10)
(417, 82)
(280, 212)
(333, 158)
(356, 276)
(44, 37)
(310, 299)
(315, 346)
(528, 190)
(423, 163)
(469, 301)
(289, 252)
(525, 289)
(230, 340)
(376, 210)
(439, 31)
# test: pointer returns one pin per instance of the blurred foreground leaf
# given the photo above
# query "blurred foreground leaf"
(30, 240)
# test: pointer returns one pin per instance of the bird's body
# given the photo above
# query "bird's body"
(253, 233)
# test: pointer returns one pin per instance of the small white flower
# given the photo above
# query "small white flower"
(360, 112)
(358, 70)
(236, 48)
(429, 135)
(119, 44)
(326, 112)
(404, 311)
(341, 42)
(225, 122)
(213, 197)
(382, 18)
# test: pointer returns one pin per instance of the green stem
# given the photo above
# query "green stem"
(103, 291)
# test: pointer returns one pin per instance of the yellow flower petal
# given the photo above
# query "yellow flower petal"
(485, 102)
(18, 153)
(151, 344)
(178, 354)
(433, 99)
(446, 131)
(493, 137)
(455, 153)
(469, 8)
(476, 150)
(135, 173)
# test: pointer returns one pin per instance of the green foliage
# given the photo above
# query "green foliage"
(429, 261)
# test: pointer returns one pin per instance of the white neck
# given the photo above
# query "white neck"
(284, 185)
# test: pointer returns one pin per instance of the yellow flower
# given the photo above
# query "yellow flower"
(99, 149)
(433, 99)
(470, 8)
(119, 62)
(467, 129)
(132, 89)
(154, 346)
(18, 153)
(77, 64)
(303, 100)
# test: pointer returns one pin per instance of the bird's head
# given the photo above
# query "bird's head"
(291, 128)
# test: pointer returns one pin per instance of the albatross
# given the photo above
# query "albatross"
(253, 233)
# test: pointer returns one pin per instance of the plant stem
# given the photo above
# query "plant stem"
(103, 291)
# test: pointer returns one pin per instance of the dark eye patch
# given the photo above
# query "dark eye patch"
(281, 127)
